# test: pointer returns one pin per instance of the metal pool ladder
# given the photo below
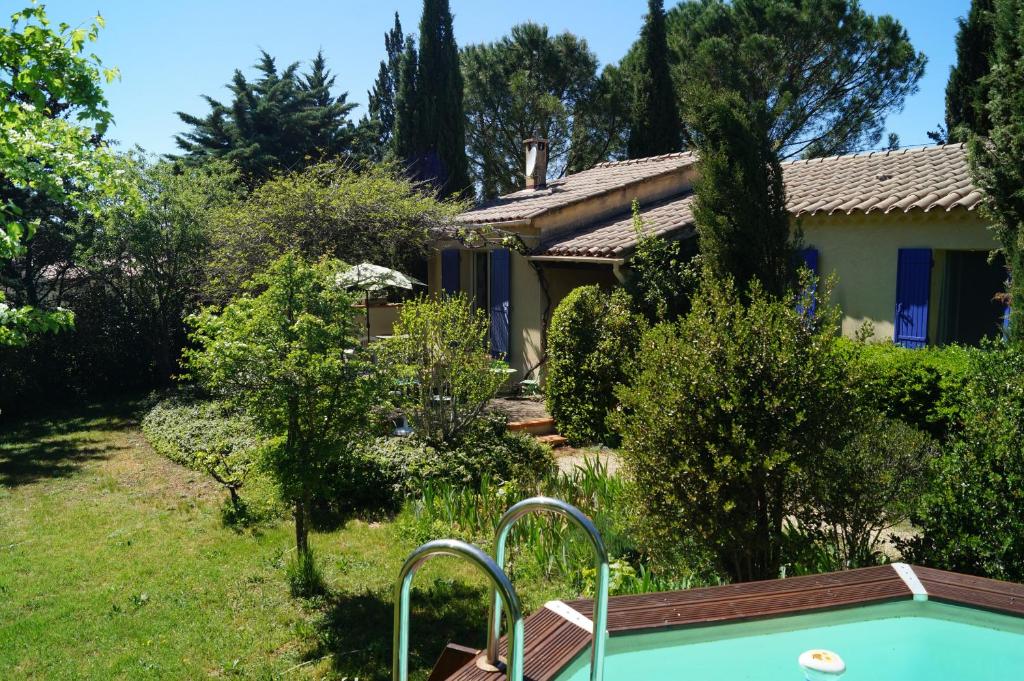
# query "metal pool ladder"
(502, 588)
(599, 635)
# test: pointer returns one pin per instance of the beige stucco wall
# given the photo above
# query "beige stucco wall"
(862, 251)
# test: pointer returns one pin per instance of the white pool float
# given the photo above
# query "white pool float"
(821, 665)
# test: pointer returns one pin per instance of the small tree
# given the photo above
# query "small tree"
(726, 409)
(289, 355)
(440, 357)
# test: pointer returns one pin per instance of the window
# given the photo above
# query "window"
(481, 280)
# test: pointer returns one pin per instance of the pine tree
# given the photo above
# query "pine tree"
(656, 127)
(965, 91)
(441, 136)
(381, 99)
(282, 120)
(997, 158)
(405, 137)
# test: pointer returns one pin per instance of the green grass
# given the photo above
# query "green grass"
(114, 563)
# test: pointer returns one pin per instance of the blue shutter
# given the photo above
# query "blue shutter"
(809, 259)
(450, 271)
(913, 289)
(501, 285)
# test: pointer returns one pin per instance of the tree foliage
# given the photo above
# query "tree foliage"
(283, 120)
(740, 206)
(52, 112)
(380, 105)
(289, 356)
(966, 96)
(430, 123)
(972, 520)
(825, 71)
(997, 157)
(727, 408)
(655, 127)
(376, 215)
(530, 83)
(151, 254)
(872, 485)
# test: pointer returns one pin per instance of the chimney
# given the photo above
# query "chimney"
(536, 163)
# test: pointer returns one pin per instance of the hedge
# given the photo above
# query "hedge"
(920, 387)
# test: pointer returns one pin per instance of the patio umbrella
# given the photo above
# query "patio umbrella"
(368, 277)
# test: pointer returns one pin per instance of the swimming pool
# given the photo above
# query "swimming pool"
(901, 641)
(890, 623)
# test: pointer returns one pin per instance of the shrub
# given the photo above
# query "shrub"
(921, 387)
(727, 408)
(871, 485)
(973, 519)
(591, 344)
(439, 356)
(662, 274)
(487, 450)
(205, 435)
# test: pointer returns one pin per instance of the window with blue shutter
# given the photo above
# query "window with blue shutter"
(450, 270)
(913, 289)
(809, 259)
(501, 288)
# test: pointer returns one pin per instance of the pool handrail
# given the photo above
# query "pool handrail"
(500, 586)
(547, 504)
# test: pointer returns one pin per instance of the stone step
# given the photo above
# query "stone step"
(542, 426)
(554, 440)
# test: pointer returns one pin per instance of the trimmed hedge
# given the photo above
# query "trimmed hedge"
(920, 387)
(592, 342)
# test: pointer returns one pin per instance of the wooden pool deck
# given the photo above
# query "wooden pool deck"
(552, 641)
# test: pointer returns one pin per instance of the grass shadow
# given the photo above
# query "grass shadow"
(59, 443)
(357, 628)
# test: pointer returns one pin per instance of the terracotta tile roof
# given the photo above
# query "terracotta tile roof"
(602, 178)
(614, 237)
(925, 178)
(922, 179)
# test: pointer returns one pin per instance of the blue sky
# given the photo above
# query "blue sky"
(172, 51)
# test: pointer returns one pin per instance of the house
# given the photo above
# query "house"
(900, 230)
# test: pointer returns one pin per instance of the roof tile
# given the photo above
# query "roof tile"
(925, 179)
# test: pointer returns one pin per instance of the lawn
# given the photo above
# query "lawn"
(114, 563)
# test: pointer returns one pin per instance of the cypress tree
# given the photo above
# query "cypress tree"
(997, 158)
(381, 99)
(656, 126)
(965, 91)
(405, 138)
(441, 157)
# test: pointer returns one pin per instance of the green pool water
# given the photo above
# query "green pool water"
(905, 641)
